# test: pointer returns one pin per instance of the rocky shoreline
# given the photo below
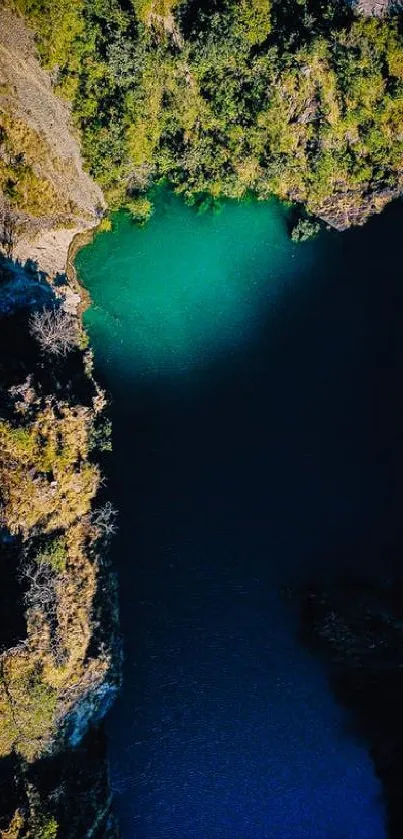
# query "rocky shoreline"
(60, 655)
(61, 671)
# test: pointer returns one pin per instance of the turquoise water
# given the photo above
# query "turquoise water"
(175, 294)
(256, 445)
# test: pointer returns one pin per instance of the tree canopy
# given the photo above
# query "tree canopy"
(300, 99)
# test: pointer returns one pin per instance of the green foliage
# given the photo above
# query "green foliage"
(101, 436)
(105, 225)
(140, 208)
(45, 476)
(54, 554)
(27, 706)
(21, 152)
(298, 99)
(304, 229)
(60, 25)
(145, 9)
(252, 20)
(48, 830)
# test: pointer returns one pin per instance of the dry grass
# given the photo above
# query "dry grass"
(45, 477)
(47, 490)
(25, 164)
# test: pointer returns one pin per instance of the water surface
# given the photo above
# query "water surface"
(255, 390)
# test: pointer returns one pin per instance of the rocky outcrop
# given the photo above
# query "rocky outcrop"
(60, 655)
(375, 8)
(46, 197)
(348, 209)
(357, 628)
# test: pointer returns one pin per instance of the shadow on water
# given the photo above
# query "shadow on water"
(278, 464)
(356, 627)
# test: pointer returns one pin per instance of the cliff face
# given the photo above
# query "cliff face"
(377, 8)
(352, 207)
(59, 646)
(45, 195)
(59, 643)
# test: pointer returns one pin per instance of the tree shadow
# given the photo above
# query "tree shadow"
(22, 286)
(25, 289)
(44, 791)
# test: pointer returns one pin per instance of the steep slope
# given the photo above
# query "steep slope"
(46, 197)
(59, 647)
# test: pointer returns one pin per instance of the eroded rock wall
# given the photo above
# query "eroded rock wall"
(46, 197)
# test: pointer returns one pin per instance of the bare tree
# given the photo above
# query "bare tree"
(55, 330)
(104, 520)
(40, 578)
(42, 596)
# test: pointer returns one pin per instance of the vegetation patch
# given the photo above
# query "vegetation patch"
(53, 533)
(54, 554)
(298, 99)
(305, 229)
(22, 155)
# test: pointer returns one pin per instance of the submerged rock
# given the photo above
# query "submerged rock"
(357, 628)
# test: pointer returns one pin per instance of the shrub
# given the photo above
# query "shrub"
(27, 707)
(48, 830)
(54, 555)
(305, 229)
(140, 209)
(46, 480)
(16, 826)
(105, 225)
(41, 589)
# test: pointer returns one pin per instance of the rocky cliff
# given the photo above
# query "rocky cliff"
(46, 197)
(59, 643)
(377, 8)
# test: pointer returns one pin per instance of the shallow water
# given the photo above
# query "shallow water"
(255, 390)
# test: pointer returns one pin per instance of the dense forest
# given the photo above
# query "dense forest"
(299, 99)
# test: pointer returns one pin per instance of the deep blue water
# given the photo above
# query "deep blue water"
(272, 463)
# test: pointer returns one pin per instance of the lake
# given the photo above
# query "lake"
(255, 390)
